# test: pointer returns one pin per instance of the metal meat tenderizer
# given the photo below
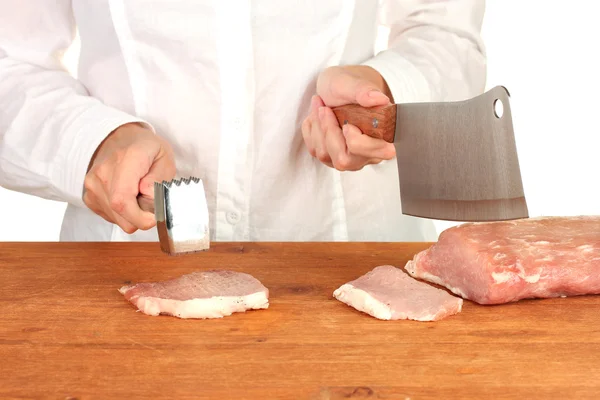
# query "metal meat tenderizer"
(181, 214)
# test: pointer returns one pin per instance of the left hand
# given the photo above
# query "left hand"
(345, 149)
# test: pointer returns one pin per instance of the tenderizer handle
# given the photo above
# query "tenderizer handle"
(146, 203)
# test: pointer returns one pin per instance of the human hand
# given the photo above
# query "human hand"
(346, 148)
(127, 163)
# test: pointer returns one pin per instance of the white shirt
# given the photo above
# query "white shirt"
(228, 84)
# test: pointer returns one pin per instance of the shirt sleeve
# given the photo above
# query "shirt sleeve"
(50, 126)
(435, 51)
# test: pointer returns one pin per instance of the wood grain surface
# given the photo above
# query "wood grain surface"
(67, 333)
(378, 122)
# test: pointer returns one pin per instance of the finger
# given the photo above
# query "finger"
(125, 185)
(347, 88)
(307, 126)
(368, 96)
(316, 135)
(97, 200)
(366, 146)
(341, 159)
(306, 130)
(91, 201)
(373, 161)
(335, 144)
(316, 102)
(318, 138)
(125, 225)
(163, 169)
(94, 197)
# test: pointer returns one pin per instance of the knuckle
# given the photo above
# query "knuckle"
(88, 183)
(352, 144)
(343, 162)
(172, 169)
(315, 127)
(322, 155)
(101, 173)
(389, 154)
(322, 158)
(88, 200)
(117, 203)
(129, 229)
(119, 155)
(104, 180)
(104, 216)
(147, 225)
(364, 87)
(133, 152)
(167, 172)
(306, 125)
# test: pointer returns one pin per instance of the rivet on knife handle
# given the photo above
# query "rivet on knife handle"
(378, 122)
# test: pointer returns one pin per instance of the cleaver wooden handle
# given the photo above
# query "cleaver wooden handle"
(378, 122)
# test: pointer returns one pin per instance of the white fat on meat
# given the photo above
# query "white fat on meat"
(206, 294)
(388, 293)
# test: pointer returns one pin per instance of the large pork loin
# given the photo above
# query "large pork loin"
(388, 293)
(501, 262)
(207, 294)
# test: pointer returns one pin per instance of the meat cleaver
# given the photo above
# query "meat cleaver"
(181, 213)
(457, 161)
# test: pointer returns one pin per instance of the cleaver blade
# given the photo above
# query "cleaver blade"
(457, 161)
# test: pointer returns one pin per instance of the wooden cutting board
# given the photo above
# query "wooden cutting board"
(67, 333)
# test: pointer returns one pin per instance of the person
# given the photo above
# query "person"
(239, 94)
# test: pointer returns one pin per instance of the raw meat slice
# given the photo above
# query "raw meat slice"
(501, 262)
(208, 294)
(388, 293)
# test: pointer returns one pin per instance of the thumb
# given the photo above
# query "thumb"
(367, 95)
(162, 169)
(345, 87)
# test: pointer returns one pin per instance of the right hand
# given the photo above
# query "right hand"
(127, 163)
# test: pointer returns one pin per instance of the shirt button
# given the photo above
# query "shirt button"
(233, 217)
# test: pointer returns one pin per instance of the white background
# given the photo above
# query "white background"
(545, 53)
